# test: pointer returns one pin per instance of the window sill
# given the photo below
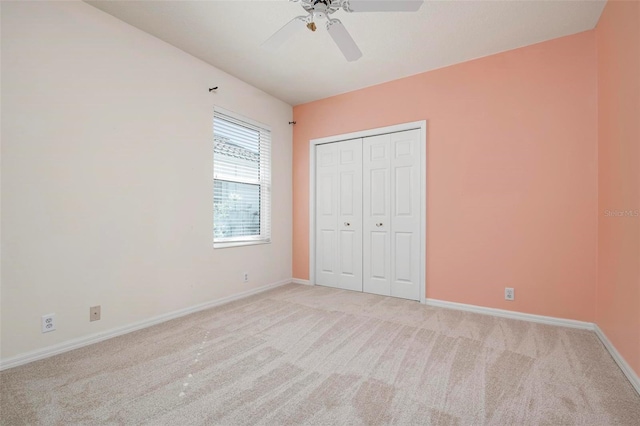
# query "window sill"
(230, 244)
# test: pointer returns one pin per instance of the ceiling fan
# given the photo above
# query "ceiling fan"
(321, 9)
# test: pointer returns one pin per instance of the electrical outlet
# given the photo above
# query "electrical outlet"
(48, 323)
(94, 313)
(509, 294)
(245, 277)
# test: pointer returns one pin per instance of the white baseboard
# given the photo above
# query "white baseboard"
(626, 368)
(511, 314)
(99, 337)
(300, 281)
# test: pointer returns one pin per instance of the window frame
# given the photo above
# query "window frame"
(264, 183)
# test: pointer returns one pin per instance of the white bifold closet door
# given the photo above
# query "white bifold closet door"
(391, 214)
(339, 215)
(368, 214)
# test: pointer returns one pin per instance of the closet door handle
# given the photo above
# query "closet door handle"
(347, 224)
(379, 224)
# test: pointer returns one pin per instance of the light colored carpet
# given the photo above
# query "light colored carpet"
(314, 355)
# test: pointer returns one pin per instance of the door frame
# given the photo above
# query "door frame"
(422, 126)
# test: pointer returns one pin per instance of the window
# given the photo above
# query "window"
(241, 181)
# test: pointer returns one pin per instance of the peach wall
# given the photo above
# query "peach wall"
(511, 179)
(618, 309)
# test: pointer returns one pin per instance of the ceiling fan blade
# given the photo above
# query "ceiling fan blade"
(383, 5)
(343, 39)
(294, 26)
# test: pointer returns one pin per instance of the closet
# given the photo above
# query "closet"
(367, 214)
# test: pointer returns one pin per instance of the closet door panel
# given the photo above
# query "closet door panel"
(349, 218)
(326, 214)
(376, 214)
(339, 215)
(405, 214)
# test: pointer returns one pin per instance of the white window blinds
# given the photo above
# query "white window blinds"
(241, 180)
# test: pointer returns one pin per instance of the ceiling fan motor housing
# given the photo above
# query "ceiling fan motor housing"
(319, 9)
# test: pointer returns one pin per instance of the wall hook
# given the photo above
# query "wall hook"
(213, 88)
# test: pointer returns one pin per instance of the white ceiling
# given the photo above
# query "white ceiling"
(228, 34)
